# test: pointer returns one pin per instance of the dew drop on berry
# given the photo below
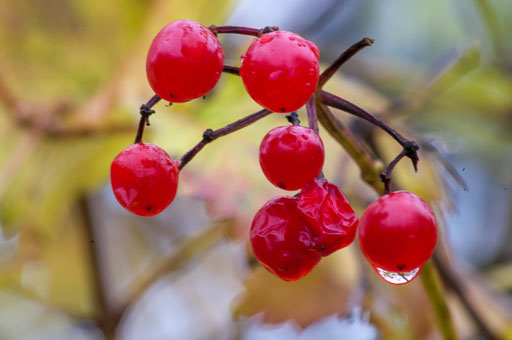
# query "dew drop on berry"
(266, 38)
(276, 75)
(397, 278)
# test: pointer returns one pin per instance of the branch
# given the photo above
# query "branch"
(435, 294)
(370, 168)
(242, 30)
(231, 70)
(145, 112)
(293, 118)
(386, 175)
(188, 250)
(106, 320)
(312, 116)
(344, 57)
(452, 281)
(210, 135)
(334, 101)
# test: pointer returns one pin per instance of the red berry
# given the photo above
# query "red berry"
(184, 61)
(398, 233)
(280, 71)
(144, 179)
(331, 219)
(282, 241)
(291, 156)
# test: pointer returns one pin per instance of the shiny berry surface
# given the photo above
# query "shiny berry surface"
(282, 241)
(291, 156)
(144, 179)
(184, 61)
(331, 219)
(398, 232)
(280, 71)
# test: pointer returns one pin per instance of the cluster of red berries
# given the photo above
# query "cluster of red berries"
(289, 235)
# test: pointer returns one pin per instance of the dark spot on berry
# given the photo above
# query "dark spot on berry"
(281, 185)
(148, 208)
(284, 269)
(401, 267)
(282, 109)
(171, 95)
(323, 247)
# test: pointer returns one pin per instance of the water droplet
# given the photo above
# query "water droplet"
(307, 86)
(276, 75)
(266, 38)
(397, 278)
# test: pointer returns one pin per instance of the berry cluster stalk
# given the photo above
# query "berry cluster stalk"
(211, 135)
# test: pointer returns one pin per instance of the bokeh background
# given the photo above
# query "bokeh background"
(75, 265)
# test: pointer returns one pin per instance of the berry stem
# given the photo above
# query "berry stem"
(293, 118)
(145, 112)
(231, 70)
(210, 135)
(385, 176)
(242, 30)
(312, 117)
(345, 56)
(334, 101)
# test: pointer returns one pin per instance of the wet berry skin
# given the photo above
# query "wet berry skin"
(144, 179)
(331, 219)
(280, 71)
(398, 232)
(184, 61)
(281, 239)
(291, 156)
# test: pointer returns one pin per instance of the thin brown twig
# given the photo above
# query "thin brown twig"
(210, 135)
(344, 105)
(369, 166)
(293, 118)
(231, 70)
(312, 116)
(256, 32)
(145, 112)
(385, 176)
(342, 59)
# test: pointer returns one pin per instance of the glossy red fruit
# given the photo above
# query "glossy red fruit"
(184, 61)
(291, 156)
(282, 241)
(280, 71)
(144, 179)
(331, 219)
(398, 233)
